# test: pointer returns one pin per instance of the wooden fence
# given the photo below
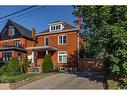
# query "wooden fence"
(91, 64)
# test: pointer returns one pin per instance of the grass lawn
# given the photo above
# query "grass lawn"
(23, 76)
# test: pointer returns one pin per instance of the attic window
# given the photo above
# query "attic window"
(56, 27)
(11, 30)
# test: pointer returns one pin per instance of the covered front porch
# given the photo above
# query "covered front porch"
(38, 53)
(7, 52)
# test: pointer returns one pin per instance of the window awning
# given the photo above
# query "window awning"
(43, 48)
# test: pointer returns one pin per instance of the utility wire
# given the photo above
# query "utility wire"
(27, 14)
(32, 13)
(17, 12)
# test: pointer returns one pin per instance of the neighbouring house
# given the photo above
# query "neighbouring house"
(14, 38)
(60, 40)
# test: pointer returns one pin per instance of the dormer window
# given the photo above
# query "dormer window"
(55, 27)
(11, 30)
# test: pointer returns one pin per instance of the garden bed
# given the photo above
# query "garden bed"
(22, 79)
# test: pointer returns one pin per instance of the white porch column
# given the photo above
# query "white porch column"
(32, 56)
(46, 52)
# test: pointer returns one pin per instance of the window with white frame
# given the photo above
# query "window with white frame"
(46, 41)
(17, 43)
(62, 57)
(62, 39)
(56, 27)
(11, 30)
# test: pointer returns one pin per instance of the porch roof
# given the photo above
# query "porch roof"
(42, 48)
(12, 49)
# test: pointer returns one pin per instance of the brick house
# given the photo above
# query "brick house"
(14, 38)
(60, 40)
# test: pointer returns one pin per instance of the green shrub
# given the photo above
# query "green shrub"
(47, 65)
(3, 74)
(13, 67)
(3, 70)
(4, 78)
(2, 63)
(113, 84)
(25, 64)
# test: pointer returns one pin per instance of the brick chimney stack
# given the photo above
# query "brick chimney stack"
(33, 33)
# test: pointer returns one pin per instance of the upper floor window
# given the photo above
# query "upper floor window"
(5, 44)
(46, 41)
(17, 43)
(11, 30)
(62, 39)
(56, 27)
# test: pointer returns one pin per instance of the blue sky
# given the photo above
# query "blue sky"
(40, 18)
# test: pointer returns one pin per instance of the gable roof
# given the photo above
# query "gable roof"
(66, 26)
(22, 30)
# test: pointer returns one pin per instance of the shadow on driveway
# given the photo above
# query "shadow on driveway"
(92, 76)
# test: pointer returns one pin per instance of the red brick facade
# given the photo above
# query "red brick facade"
(70, 47)
(64, 41)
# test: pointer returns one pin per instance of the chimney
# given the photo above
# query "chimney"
(79, 23)
(33, 33)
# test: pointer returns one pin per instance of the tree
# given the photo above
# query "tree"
(106, 28)
(25, 64)
(13, 67)
(47, 65)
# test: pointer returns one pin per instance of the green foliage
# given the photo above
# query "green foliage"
(16, 78)
(4, 79)
(121, 84)
(3, 69)
(113, 85)
(3, 74)
(13, 67)
(2, 63)
(25, 64)
(106, 31)
(20, 77)
(47, 65)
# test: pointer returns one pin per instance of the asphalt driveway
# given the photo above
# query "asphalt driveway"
(63, 81)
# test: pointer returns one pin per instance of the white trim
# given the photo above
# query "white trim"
(56, 25)
(61, 31)
(58, 56)
(32, 57)
(41, 47)
(62, 39)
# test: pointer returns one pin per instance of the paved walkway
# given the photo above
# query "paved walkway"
(63, 81)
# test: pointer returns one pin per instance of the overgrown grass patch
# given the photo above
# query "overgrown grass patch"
(21, 77)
